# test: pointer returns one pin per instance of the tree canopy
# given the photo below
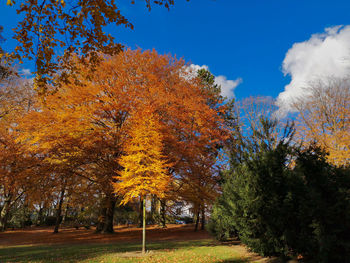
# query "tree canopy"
(95, 129)
(51, 31)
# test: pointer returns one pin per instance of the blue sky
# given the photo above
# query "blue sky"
(246, 39)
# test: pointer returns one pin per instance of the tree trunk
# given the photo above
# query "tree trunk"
(102, 216)
(162, 213)
(197, 221)
(153, 214)
(59, 210)
(108, 223)
(141, 213)
(203, 218)
(39, 220)
(4, 214)
(65, 214)
(144, 226)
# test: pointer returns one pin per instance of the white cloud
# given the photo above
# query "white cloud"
(25, 72)
(227, 86)
(323, 55)
(195, 68)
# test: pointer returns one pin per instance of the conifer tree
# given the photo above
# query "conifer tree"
(256, 193)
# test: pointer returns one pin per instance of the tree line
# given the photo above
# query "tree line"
(142, 127)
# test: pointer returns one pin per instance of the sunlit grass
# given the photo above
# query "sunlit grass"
(162, 252)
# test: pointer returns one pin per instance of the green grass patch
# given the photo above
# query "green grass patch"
(162, 252)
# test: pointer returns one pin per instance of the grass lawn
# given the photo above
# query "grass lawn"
(162, 252)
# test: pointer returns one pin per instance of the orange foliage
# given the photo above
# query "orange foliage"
(90, 126)
(145, 170)
(16, 165)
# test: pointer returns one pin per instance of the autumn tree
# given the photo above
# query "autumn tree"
(199, 172)
(323, 117)
(248, 112)
(84, 125)
(61, 142)
(51, 31)
(16, 165)
(145, 170)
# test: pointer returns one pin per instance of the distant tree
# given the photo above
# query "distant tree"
(203, 170)
(249, 112)
(1, 37)
(209, 86)
(323, 117)
(4, 71)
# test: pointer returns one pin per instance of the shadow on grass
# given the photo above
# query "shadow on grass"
(251, 259)
(76, 253)
(247, 260)
(232, 261)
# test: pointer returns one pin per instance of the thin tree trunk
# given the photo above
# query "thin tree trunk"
(197, 221)
(203, 218)
(66, 211)
(59, 210)
(40, 215)
(65, 214)
(141, 213)
(144, 226)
